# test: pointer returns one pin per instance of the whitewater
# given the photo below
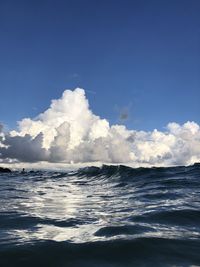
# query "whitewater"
(108, 216)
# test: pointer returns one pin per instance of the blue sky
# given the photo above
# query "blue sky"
(139, 56)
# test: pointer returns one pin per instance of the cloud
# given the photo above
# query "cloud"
(68, 131)
(124, 114)
(1, 128)
(26, 148)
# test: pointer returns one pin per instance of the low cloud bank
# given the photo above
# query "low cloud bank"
(69, 132)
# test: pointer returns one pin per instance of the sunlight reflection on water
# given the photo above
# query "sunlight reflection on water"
(55, 206)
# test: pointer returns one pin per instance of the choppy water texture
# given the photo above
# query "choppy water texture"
(105, 217)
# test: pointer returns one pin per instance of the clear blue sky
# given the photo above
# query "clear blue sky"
(143, 56)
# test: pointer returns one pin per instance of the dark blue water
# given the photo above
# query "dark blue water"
(105, 217)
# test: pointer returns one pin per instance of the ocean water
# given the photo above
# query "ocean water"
(113, 216)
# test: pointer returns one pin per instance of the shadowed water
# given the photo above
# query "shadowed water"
(109, 216)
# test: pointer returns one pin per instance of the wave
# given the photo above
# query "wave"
(119, 253)
(109, 216)
(180, 217)
(16, 220)
(126, 171)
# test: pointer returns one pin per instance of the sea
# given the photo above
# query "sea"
(109, 216)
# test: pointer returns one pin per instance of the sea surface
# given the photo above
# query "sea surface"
(112, 216)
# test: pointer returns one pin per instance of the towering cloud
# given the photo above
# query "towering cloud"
(68, 132)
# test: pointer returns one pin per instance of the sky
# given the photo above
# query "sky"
(139, 58)
(100, 81)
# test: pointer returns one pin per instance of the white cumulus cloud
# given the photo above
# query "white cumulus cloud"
(68, 131)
